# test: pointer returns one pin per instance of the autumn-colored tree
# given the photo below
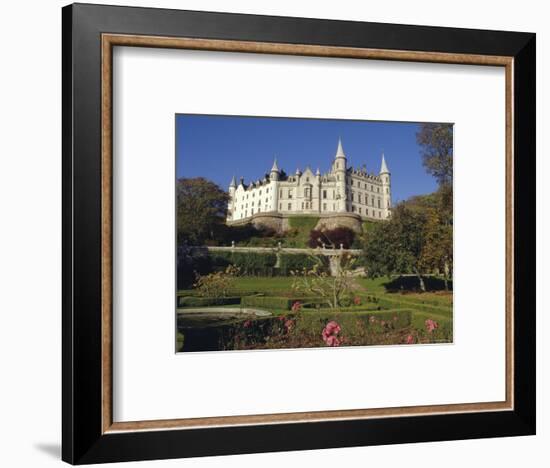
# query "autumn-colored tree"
(436, 141)
(201, 210)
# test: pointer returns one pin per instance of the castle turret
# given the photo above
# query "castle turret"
(275, 172)
(231, 201)
(339, 168)
(385, 177)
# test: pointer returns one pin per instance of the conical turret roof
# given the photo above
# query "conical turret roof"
(340, 151)
(383, 166)
(275, 167)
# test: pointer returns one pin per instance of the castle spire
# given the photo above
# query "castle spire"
(383, 166)
(233, 183)
(275, 168)
(340, 151)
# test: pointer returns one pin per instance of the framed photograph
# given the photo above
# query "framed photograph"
(289, 233)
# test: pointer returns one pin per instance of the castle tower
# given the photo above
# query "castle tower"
(231, 201)
(275, 172)
(274, 175)
(339, 169)
(385, 177)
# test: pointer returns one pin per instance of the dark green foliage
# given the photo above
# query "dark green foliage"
(333, 238)
(268, 302)
(201, 210)
(249, 263)
(444, 331)
(395, 247)
(188, 265)
(410, 283)
(295, 262)
(436, 141)
(351, 320)
(192, 301)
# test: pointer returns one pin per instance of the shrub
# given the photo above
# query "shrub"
(294, 262)
(269, 302)
(331, 237)
(216, 284)
(443, 332)
(353, 321)
(248, 263)
(193, 301)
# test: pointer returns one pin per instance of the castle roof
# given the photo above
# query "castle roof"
(340, 151)
(233, 182)
(275, 168)
(383, 166)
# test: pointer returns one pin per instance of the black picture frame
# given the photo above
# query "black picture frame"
(83, 438)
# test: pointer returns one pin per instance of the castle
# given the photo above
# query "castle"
(344, 196)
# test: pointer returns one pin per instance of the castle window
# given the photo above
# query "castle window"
(333, 207)
(280, 206)
(324, 194)
(352, 195)
(379, 203)
(359, 199)
(290, 193)
(307, 192)
(371, 188)
(259, 209)
(372, 201)
(302, 205)
(359, 210)
(353, 208)
(324, 207)
(351, 181)
(379, 214)
(281, 194)
(245, 213)
(378, 189)
(307, 179)
(367, 211)
(290, 206)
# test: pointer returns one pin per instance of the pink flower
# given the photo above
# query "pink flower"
(329, 333)
(357, 300)
(281, 317)
(247, 324)
(296, 306)
(410, 339)
(372, 319)
(431, 325)
(289, 324)
(332, 341)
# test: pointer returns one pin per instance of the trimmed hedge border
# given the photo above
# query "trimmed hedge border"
(194, 301)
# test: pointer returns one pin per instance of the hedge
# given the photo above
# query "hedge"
(294, 262)
(347, 318)
(386, 302)
(248, 262)
(269, 302)
(194, 301)
(445, 325)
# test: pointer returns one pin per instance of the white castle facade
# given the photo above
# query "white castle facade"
(341, 191)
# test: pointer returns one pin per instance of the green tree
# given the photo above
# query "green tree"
(201, 210)
(436, 141)
(437, 249)
(395, 247)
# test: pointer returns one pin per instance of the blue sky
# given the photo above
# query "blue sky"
(218, 147)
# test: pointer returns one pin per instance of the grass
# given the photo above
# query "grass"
(300, 227)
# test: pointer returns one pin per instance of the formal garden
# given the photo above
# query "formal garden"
(245, 287)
